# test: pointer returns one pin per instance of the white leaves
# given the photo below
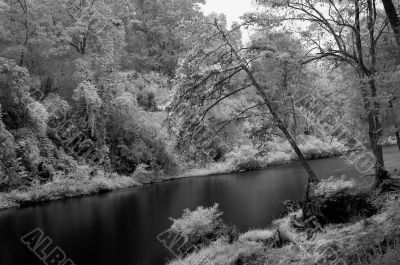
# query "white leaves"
(199, 222)
(18, 80)
(87, 93)
(38, 116)
(83, 71)
(56, 106)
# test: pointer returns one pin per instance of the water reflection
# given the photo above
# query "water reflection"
(121, 228)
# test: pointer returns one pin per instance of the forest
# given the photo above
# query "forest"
(101, 95)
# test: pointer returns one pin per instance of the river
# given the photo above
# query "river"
(122, 227)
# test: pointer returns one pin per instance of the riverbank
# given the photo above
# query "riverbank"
(86, 181)
(245, 158)
(362, 239)
(61, 188)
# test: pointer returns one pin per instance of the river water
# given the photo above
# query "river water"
(122, 227)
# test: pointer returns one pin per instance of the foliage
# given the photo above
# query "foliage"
(109, 73)
(333, 185)
(223, 253)
(79, 183)
(201, 227)
(9, 165)
(160, 32)
(197, 223)
(133, 140)
(244, 158)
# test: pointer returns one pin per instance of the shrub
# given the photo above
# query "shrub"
(55, 157)
(134, 148)
(38, 116)
(201, 227)
(142, 175)
(280, 151)
(8, 158)
(197, 223)
(134, 139)
(333, 185)
(313, 147)
(244, 158)
(27, 148)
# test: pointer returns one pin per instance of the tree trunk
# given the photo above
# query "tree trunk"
(396, 126)
(375, 134)
(294, 117)
(312, 177)
(285, 86)
(393, 18)
(370, 101)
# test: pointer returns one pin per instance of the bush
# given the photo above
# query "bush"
(135, 138)
(244, 158)
(142, 175)
(313, 147)
(333, 185)
(132, 149)
(201, 227)
(28, 148)
(280, 151)
(197, 223)
(9, 165)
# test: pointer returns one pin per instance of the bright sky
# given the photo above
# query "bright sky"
(233, 9)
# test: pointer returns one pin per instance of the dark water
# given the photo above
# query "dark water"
(121, 228)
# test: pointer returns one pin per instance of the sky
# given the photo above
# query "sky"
(233, 9)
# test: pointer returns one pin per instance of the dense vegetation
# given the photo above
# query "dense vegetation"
(145, 89)
(101, 95)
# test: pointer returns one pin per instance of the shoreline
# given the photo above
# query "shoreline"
(369, 233)
(67, 189)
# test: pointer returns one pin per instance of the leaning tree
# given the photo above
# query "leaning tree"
(205, 79)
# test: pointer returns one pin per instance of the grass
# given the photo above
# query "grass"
(221, 253)
(64, 187)
(367, 241)
(245, 158)
(256, 235)
(241, 159)
(280, 152)
(333, 185)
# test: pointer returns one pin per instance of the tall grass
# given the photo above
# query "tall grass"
(79, 183)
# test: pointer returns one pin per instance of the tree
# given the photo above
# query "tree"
(271, 108)
(282, 71)
(346, 34)
(19, 107)
(205, 79)
(160, 32)
(393, 18)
